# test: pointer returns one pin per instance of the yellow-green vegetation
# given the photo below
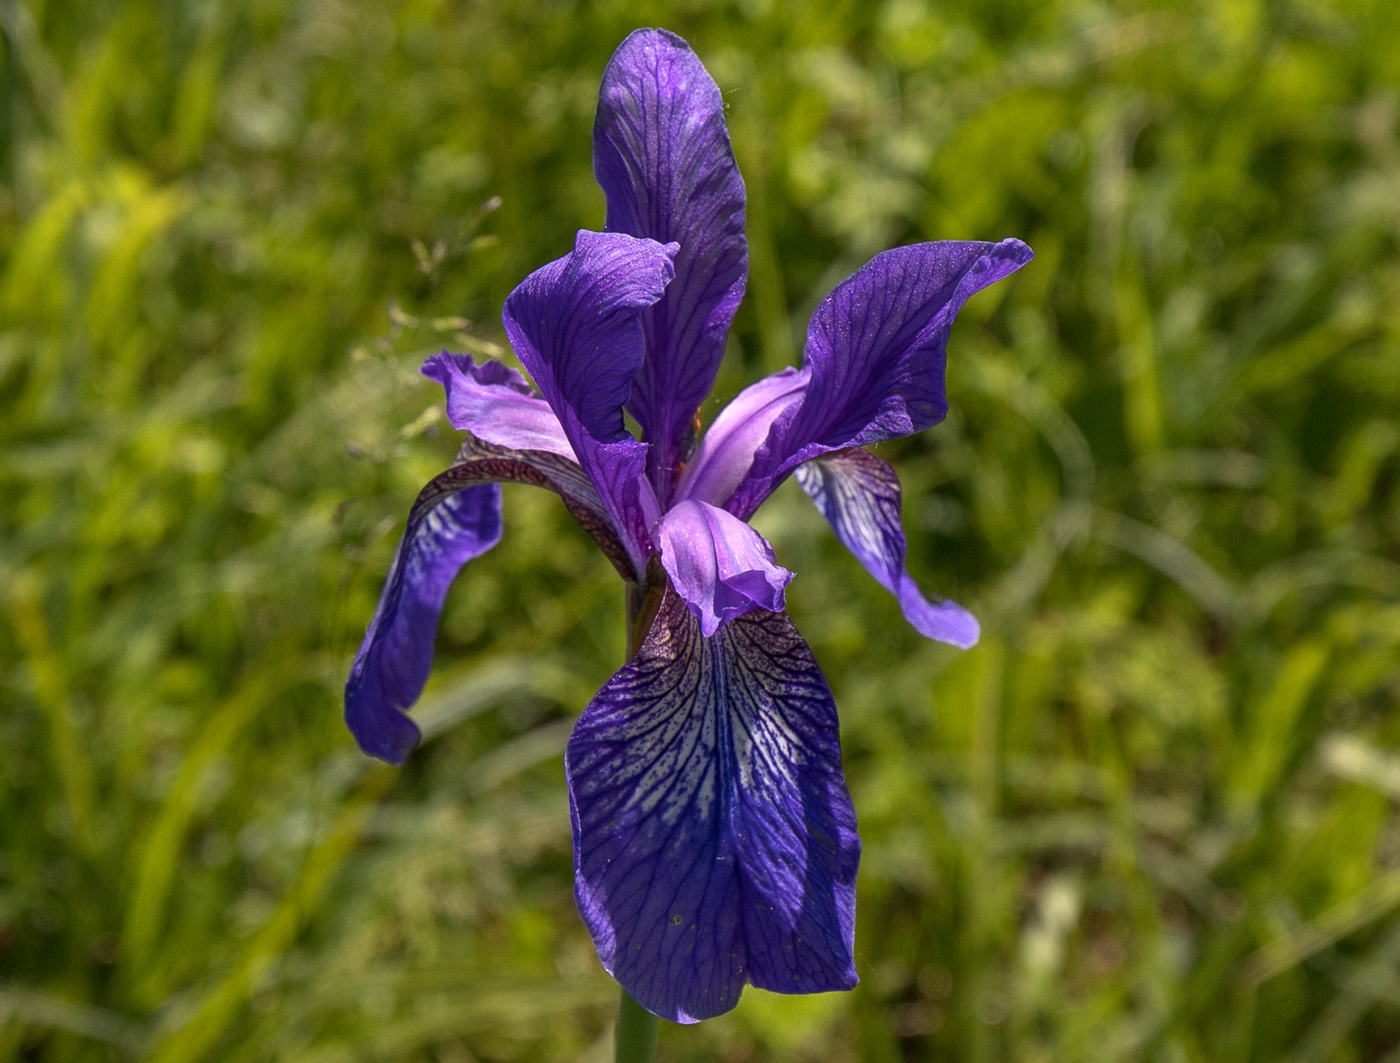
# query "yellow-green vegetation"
(1148, 818)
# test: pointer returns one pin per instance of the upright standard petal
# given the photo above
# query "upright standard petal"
(714, 838)
(718, 564)
(455, 518)
(444, 532)
(877, 349)
(661, 153)
(496, 404)
(574, 325)
(859, 496)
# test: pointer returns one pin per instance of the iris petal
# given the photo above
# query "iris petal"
(876, 350)
(397, 652)
(859, 496)
(479, 461)
(714, 838)
(574, 325)
(496, 404)
(455, 518)
(727, 450)
(718, 564)
(661, 153)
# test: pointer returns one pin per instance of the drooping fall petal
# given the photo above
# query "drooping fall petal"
(456, 517)
(714, 839)
(859, 496)
(397, 652)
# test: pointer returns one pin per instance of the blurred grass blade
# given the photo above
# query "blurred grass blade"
(1142, 400)
(487, 1009)
(493, 681)
(112, 297)
(1372, 977)
(36, 256)
(45, 78)
(1271, 727)
(67, 747)
(18, 1004)
(509, 760)
(1180, 564)
(1376, 900)
(159, 854)
(200, 1029)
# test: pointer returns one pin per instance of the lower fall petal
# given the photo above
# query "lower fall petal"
(714, 838)
(859, 496)
(455, 518)
(718, 564)
(397, 652)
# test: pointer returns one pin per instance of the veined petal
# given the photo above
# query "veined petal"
(859, 496)
(479, 461)
(718, 564)
(714, 838)
(877, 349)
(661, 153)
(726, 451)
(496, 404)
(456, 517)
(877, 345)
(397, 652)
(574, 325)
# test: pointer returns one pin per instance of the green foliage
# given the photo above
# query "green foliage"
(1149, 817)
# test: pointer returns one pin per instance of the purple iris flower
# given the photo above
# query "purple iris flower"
(714, 838)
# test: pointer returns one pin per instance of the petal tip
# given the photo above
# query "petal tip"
(1015, 250)
(948, 622)
(384, 733)
(969, 636)
(941, 620)
(442, 366)
(651, 37)
(433, 367)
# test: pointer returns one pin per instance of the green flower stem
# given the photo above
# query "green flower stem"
(636, 1032)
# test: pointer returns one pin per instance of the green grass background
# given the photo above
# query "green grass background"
(1150, 817)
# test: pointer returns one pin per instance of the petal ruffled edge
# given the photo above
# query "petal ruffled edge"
(714, 838)
(859, 495)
